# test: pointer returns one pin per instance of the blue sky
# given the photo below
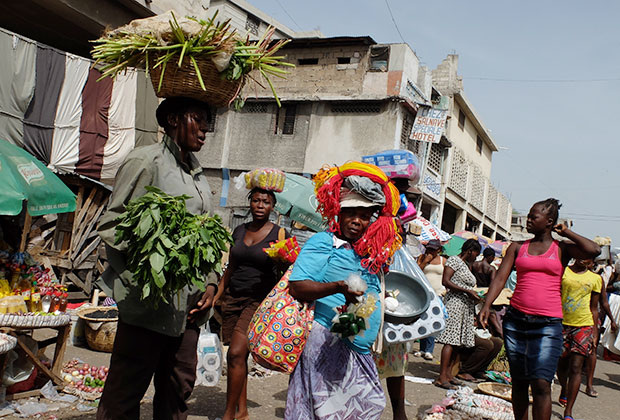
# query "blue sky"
(554, 107)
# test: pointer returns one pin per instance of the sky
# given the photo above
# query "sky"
(543, 76)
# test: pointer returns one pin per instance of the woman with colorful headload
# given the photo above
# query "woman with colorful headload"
(336, 377)
(250, 275)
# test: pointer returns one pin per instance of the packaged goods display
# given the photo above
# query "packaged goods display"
(266, 178)
(396, 164)
(28, 287)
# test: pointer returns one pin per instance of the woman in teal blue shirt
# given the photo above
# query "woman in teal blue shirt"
(336, 378)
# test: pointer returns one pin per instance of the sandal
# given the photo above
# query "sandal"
(562, 401)
(455, 381)
(591, 393)
(444, 385)
(568, 418)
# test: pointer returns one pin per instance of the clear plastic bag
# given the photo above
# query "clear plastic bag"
(432, 322)
(209, 366)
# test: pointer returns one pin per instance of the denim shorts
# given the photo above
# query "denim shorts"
(533, 345)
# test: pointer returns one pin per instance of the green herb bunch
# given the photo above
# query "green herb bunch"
(168, 247)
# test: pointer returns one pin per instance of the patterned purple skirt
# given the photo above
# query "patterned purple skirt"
(333, 382)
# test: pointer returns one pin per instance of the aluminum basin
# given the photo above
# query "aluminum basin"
(413, 291)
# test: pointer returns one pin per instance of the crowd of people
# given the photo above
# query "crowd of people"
(551, 324)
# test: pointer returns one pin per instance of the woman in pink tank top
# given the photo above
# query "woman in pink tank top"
(533, 323)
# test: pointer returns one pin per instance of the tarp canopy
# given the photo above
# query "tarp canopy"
(52, 105)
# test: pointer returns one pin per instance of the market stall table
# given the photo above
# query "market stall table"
(17, 325)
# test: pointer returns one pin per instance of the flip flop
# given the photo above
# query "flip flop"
(568, 418)
(562, 401)
(444, 385)
(457, 382)
(591, 393)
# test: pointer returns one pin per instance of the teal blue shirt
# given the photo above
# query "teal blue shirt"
(326, 259)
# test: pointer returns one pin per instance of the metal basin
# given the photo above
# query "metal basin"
(412, 291)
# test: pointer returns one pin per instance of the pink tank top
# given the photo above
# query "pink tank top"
(539, 279)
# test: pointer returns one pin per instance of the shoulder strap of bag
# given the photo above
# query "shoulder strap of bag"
(377, 346)
(281, 234)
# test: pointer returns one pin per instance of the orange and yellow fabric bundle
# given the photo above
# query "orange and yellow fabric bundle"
(381, 239)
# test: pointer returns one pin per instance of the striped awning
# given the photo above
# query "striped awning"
(52, 105)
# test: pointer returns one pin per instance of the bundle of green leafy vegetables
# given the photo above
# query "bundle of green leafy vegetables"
(168, 247)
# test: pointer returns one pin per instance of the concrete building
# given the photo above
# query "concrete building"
(467, 198)
(347, 97)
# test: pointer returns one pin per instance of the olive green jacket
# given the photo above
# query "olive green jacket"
(159, 165)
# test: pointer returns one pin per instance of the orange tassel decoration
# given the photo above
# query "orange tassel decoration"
(381, 239)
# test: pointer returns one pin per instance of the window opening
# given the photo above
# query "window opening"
(211, 120)
(406, 131)
(255, 107)
(434, 158)
(461, 119)
(307, 61)
(344, 60)
(479, 144)
(252, 23)
(379, 58)
(356, 107)
(289, 119)
(285, 119)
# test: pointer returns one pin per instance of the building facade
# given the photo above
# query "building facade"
(467, 198)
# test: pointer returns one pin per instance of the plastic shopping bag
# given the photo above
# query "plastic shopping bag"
(209, 366)
(432, 322)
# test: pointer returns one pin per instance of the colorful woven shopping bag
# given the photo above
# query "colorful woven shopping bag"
(279, 329)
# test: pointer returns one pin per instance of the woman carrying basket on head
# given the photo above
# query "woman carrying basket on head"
(249, 277)
(337, 378)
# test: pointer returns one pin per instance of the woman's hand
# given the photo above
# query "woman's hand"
(560, 229)
(474, 295)
(483, 316)
(349, 295)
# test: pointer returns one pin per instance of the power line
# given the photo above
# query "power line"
(287, 14)
(497, 79)
(394, 20)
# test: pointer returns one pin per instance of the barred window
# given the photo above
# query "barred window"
(417, 147)
(356, 107)
(256, 107)
(211, 121)
(406, 131)
(435, 157)
(285, 119)
(252, 23)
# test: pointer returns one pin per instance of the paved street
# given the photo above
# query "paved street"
(267, 395)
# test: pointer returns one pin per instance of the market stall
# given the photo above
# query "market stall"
(31, 297)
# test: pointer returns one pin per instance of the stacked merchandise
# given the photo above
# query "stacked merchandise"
(30, 295)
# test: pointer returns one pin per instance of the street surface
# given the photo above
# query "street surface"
(267, 395)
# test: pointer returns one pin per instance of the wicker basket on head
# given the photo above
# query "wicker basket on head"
(100, 332)
(183, 81)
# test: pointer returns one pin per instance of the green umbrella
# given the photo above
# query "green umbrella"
(24, 177)
(453, 247)
(298, 199)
